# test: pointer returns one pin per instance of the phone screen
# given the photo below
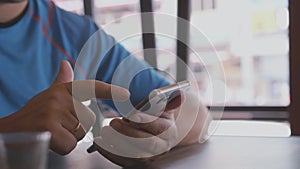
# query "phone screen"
(159, 98)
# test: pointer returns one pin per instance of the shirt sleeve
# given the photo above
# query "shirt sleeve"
(107, 60)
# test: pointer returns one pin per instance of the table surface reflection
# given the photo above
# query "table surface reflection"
(220, 152)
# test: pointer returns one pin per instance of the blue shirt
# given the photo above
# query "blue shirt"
(31, 51)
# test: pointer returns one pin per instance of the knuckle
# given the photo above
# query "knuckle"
(161, 127)
(46, 121)
(64, 149)
(80, 134)
(67, 149)
(56, 93)
(52, 104)
(48, 124)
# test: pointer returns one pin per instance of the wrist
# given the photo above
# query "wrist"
(3, 125)
(7, 124)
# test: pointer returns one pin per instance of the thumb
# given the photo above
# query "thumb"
(65, 73)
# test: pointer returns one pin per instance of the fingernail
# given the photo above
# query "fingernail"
(116, 124)
(136, 118)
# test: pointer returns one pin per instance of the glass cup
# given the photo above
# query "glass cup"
(27, 150)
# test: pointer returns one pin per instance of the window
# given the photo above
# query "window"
(106, 14)
(250, 37)
(75, 6)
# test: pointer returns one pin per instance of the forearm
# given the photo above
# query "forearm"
(5, 126)
(12, 123)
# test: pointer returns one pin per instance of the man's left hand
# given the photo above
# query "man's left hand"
(144, 137)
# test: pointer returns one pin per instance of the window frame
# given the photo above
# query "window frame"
(294, 34)
(280, 113)
(88, 6)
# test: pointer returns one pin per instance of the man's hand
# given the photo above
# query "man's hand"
(144, 137)
(53, 109)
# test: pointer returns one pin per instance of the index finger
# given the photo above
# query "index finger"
(148, 123)
(84, 90)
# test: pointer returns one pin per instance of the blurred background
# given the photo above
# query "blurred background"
(251, 38)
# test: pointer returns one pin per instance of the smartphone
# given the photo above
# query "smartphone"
(159, 98)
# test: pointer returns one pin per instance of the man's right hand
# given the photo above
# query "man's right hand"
(53, 109)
